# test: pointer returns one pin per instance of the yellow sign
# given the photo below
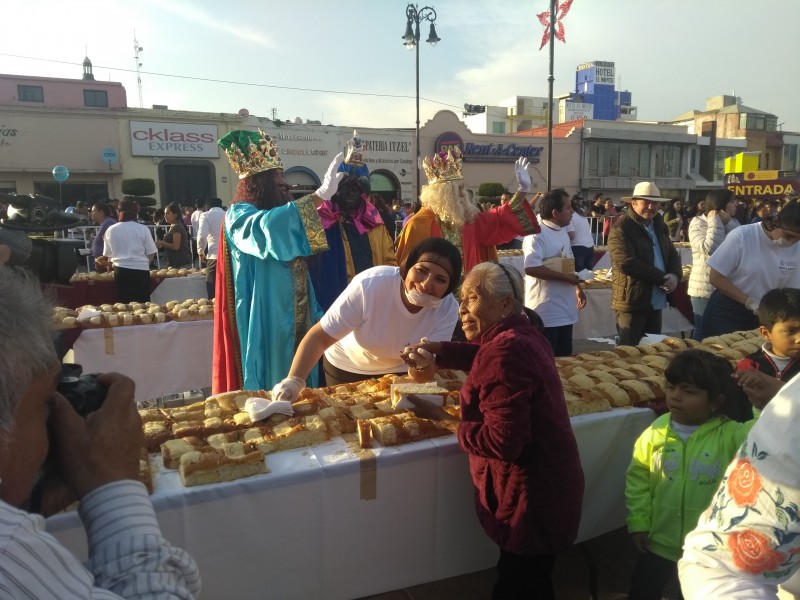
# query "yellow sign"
(757, 189)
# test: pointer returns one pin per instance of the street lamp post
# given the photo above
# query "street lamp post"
(414, 16)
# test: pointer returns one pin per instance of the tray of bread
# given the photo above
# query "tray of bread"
(133, 313)
(154, 274)
(216, 440)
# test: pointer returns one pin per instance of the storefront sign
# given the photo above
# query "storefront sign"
(487, 152)
(763, 184)
(7, 135)
(173, 139)
(572, 111)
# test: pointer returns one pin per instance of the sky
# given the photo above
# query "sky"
(344, 63)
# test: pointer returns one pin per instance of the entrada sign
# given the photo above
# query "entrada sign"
(763, 184)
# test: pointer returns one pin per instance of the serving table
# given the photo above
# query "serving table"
(329, 524)
(97, 292)
(162, 359)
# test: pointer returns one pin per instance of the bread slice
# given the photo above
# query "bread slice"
(616, 395)
(656, 361)
(234, 461)
(638, 392)
(584, 402)
(427, 391)
(364, 434)
(676, 343)
(642, 370)
(172, 450)
(627, 351)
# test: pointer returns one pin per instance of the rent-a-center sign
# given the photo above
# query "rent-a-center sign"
(174, 139)
(763, 184)
(489, 152)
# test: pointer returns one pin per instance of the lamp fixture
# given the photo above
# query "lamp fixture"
(415, 16)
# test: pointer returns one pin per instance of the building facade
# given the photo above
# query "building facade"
(86, 126)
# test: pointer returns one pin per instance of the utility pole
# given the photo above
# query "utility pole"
(136, 50)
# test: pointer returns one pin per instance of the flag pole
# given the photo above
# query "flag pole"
(550, 79)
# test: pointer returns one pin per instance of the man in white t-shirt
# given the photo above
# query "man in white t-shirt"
(752, 260)
(556, 297)
(208, 230)
(580, 236)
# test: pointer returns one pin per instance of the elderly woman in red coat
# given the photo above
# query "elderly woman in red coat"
(515, 428)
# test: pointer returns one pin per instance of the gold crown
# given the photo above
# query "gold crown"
(250, 152)
(443, 167)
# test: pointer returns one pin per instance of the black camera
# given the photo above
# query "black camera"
(84, 392)
(36, 213)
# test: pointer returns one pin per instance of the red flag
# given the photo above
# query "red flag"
(562, 8)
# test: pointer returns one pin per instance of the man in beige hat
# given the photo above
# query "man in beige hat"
(645, 265)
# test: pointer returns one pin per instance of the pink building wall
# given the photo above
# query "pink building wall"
(61, 93)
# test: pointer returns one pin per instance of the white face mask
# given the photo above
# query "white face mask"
(782, 242)
(424, 300)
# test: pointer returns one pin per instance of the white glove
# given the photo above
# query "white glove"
(752, 304)
(523, 177)
(289, 389)
(330, 182)
(259, 409)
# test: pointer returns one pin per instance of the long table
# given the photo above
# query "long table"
(162, 290)
(597, 320)
(328, 524)
(163, 359)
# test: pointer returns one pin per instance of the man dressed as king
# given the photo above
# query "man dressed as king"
(265, 302)
(447, 213)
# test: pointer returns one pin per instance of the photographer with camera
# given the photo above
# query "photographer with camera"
(94, 459)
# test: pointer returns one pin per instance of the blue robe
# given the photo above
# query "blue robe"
(273, 302)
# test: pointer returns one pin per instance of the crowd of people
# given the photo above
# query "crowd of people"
(314, 289)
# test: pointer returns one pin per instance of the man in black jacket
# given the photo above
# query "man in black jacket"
(645, 265)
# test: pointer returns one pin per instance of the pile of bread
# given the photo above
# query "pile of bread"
(134, 313)
(154, 273)
(633, 375)
(216, 440)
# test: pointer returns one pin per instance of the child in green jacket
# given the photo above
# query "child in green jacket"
(679, 461)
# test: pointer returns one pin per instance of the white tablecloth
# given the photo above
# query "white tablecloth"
(324, 524)
(162, 359)
(598, 320)
(180, 288)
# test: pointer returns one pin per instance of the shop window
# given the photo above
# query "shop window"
(668, 161)
(69, 193)
(498, 127)
(98, 98)
(30, 93)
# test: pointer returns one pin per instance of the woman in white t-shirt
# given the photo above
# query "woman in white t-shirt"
(752, 260)
(128, 247)
(382, 310)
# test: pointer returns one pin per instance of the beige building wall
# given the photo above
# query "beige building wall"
(566, 156)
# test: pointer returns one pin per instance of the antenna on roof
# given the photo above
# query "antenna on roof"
(136, 50)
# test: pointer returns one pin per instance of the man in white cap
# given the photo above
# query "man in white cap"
(645, 265)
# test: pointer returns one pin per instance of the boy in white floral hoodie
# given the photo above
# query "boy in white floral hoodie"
(748, 541)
